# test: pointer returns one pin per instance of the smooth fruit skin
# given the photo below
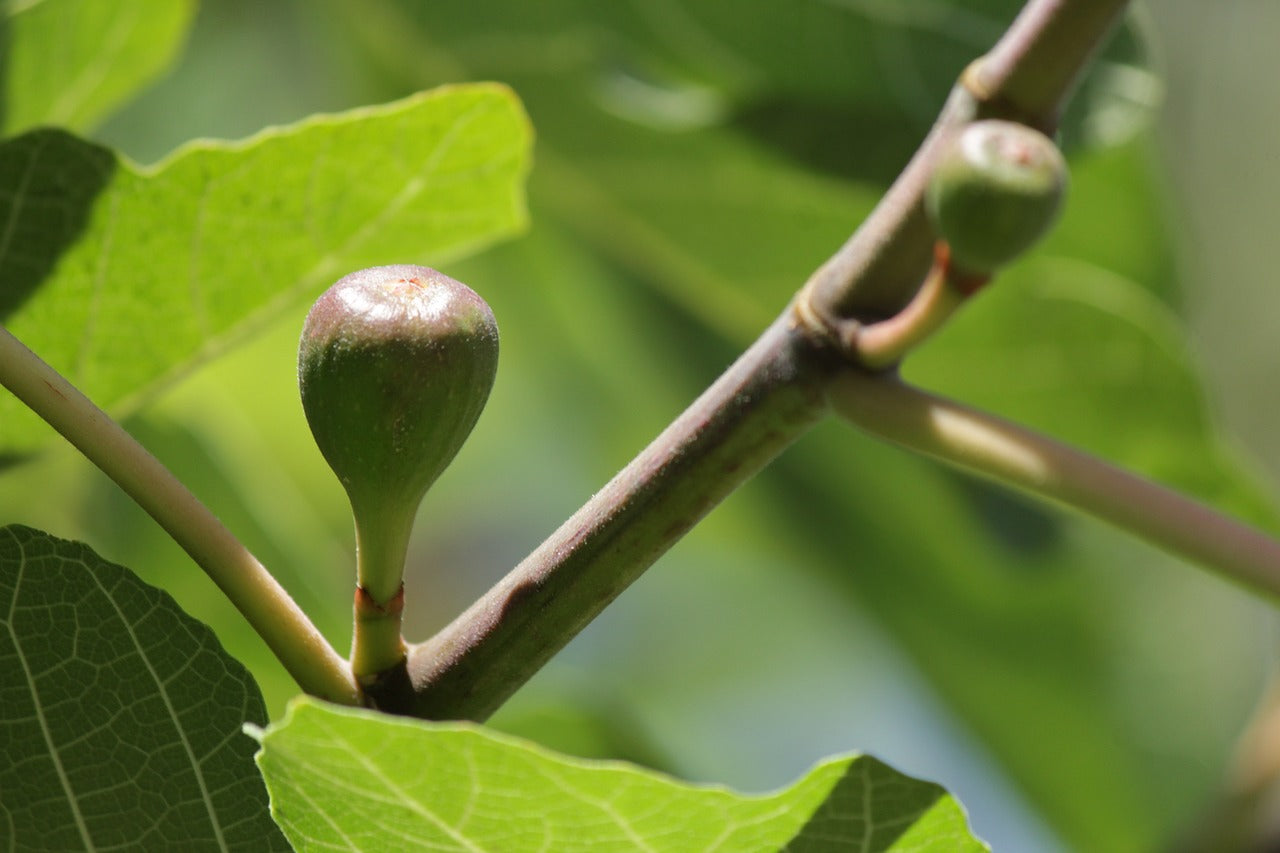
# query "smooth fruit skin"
(394, 366)
(996, 189)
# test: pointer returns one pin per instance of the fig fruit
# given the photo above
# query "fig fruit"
(994, 192)
(394, 366)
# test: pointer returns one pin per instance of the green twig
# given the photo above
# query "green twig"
(1019, 457)
(266, 605)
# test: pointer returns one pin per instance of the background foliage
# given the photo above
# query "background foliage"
(694, 163)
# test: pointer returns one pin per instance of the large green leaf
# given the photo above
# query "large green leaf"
(120, 276)
(122, 715)
(70, 62)
(343, 779)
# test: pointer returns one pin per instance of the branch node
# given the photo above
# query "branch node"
(986, 101)
(822, 328)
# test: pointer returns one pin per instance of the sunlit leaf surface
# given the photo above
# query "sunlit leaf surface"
(354, 780)
(120, 276)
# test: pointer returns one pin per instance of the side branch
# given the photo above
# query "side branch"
(767, 399)
(266, 605)
(1019, 457)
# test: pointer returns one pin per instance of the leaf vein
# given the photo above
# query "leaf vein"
(195, 763)
(404, 796)
(45, 731)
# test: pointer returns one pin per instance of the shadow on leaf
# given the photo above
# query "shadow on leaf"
(49, 180)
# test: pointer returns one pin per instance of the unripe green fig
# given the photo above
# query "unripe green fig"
(394, 366)
(994, 192)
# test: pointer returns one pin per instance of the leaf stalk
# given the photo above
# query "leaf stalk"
(266, 605)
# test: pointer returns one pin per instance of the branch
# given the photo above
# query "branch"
(1015, 456)
(1032, 70)
(765, 401)
(265, 604)
(1026, 77)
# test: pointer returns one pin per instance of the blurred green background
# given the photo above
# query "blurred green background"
(1075, 689)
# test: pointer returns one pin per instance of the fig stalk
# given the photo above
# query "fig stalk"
(996, 190)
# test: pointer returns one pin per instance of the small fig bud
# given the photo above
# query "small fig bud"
(394, 366)
(995, 191)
